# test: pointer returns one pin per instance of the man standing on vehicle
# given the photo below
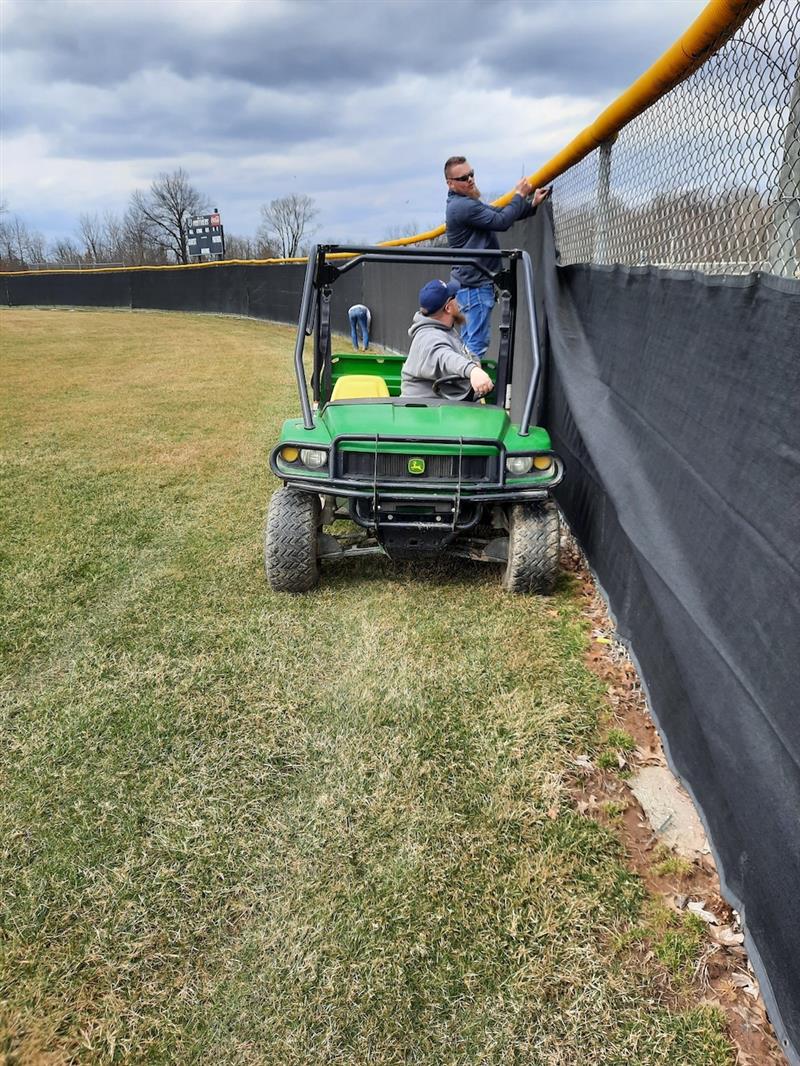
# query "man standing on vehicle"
(437, 352)
(474, 224)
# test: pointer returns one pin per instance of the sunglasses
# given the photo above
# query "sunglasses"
(465, 177)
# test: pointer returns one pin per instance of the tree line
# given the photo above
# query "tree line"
(152, 231)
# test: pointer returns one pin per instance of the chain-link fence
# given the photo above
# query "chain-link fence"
(708, 178)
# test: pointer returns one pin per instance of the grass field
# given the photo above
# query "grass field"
(238, 827)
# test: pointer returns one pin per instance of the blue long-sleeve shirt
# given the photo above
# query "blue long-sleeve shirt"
(474, 224)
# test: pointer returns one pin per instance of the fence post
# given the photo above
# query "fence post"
(784, 255)
(602, 230)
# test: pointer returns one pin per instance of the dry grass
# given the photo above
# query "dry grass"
(245, 828)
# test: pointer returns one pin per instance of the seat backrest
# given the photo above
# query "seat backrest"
(387, 365)
(359, 387)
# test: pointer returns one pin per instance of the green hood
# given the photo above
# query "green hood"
(395, 420)
(416, 423)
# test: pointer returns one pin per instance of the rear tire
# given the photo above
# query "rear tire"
(533, 548)
(290, 540)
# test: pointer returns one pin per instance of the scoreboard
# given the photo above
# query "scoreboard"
(205, 238)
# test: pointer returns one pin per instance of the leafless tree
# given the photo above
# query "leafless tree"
(164, 210)
(408, 229)
(285, 221)
(19, 246)
(65, 252)
(11, 244)
(90, 229)
(114, 238)
(36, 250)
(237, 247)
(140, 247)
(398, 230)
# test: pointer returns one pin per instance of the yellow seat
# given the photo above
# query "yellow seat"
(359, 387)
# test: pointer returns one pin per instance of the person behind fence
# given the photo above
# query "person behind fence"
(360, 319)
(474, 224)
(437, 352)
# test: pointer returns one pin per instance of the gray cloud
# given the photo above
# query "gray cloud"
(574, 46)
(355, 103)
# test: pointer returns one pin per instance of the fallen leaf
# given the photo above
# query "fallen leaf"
(584, 762)
(650, 757)
(699, 910)
(746, 983)
(724, 935)
(727, 989)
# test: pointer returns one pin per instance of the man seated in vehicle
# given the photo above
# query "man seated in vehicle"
(436, 350)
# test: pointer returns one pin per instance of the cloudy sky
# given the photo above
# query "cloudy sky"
(355, 102)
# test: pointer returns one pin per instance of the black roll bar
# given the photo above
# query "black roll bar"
(305, 303)
(399, 258)
(532, 399)
(429, 253)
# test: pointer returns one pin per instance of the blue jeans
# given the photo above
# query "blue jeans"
(476, 304)
(359, 322)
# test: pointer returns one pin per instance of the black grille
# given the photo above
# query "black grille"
(394, 467)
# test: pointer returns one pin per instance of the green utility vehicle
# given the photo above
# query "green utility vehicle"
(367, 471)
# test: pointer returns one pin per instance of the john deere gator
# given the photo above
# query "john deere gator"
(368, 471)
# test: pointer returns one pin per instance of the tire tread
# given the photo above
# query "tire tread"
(290, 540)
(533, 548)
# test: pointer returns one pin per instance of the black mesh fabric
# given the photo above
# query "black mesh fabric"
(675, 400)
(68, 290)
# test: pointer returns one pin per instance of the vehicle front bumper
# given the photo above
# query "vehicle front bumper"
(415, 489)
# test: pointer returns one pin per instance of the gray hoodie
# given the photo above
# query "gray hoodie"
(435, 352)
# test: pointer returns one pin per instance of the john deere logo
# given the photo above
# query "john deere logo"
(416, 466)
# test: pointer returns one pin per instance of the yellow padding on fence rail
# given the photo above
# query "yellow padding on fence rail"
(706, 35)
(167, 266)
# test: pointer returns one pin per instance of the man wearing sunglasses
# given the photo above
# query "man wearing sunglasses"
(474, 224)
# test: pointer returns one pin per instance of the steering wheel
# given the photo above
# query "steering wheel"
(451, 379)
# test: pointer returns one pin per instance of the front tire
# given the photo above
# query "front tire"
(533, 548)
(290, 540)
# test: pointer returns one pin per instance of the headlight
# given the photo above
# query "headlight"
(519, 464)
(289, 454)
(313, 458)
(542, 462)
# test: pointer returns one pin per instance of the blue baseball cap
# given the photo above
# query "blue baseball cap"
(435, 294)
